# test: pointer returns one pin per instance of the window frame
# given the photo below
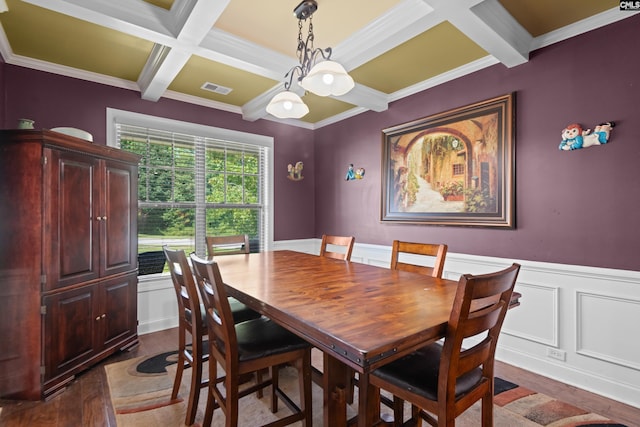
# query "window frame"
(117, 117)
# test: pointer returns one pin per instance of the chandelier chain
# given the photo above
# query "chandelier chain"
(307, 54)
(315, 71)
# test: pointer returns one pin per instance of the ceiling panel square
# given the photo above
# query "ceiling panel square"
(436, 51)
(48, 36)
(197, 71)
(272, 24)
(542, 16)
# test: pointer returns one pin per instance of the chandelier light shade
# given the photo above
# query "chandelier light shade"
(316, 72)
(287, 105)
(328, 78)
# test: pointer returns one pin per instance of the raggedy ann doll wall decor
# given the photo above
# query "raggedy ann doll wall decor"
(573, 137)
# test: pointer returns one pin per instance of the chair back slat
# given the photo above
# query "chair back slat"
(346, 242)
(478, 323)
(473, 357)
(227, 245)
(436, 251)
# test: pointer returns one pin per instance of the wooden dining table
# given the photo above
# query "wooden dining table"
(360, 316)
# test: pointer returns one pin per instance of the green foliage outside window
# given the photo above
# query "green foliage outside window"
(167, 192)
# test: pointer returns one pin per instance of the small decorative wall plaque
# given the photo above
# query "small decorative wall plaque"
(295, 172)
(354, 173)
(574, 137)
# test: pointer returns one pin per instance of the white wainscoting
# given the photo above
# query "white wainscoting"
(586, 317)
(157, 304)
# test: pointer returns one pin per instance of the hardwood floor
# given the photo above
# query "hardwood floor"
(86, 401)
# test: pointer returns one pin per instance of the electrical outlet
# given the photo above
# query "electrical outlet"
(554, 353)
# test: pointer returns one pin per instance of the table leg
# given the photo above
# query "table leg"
(335, 397)
(368, 402)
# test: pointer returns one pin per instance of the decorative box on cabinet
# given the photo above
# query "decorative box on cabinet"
(68, 258)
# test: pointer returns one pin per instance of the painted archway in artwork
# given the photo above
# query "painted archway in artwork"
(450, 159)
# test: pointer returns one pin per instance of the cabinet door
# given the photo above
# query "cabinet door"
(119, 310)
(119, 233)
(71, 223)
(70, 329)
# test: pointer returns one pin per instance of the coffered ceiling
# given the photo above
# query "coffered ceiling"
(392, 48)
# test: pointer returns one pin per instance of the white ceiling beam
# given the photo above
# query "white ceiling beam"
(228, 49)
(137, 18)
(490, 26)
(196, 23)
(501, 35)
(366, 97)
(399, 24)
(164, 64)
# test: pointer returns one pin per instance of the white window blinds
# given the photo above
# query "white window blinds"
(191, 186)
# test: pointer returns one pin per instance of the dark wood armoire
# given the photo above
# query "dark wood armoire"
(68, 258)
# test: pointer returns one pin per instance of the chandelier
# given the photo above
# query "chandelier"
(316, 72)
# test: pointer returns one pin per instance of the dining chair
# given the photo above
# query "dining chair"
(231, 245)
(438, 252)
(445, 379)
(345, 242)
(227, 245)
(245, 348)
(435, 250)
(190, 321)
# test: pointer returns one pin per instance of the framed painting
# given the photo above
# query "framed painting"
(453, 168)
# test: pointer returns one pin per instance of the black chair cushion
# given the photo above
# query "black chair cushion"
(418, 372)
(241, 313)
(262, 337)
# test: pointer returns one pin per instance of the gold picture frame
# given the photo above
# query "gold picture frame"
(454, 168)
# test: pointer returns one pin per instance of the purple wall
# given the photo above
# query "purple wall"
(52, 100)
(578, 207)
(575, 207)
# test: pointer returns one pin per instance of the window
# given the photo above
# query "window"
(196, 181)
(458, 169)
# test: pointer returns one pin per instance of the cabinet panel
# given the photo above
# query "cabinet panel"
(119, 221)
(70, 329)
(73, 238)
(119, 308)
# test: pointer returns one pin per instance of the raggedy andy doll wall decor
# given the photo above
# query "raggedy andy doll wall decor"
(573, 137)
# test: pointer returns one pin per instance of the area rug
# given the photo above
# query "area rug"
(140, 391)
